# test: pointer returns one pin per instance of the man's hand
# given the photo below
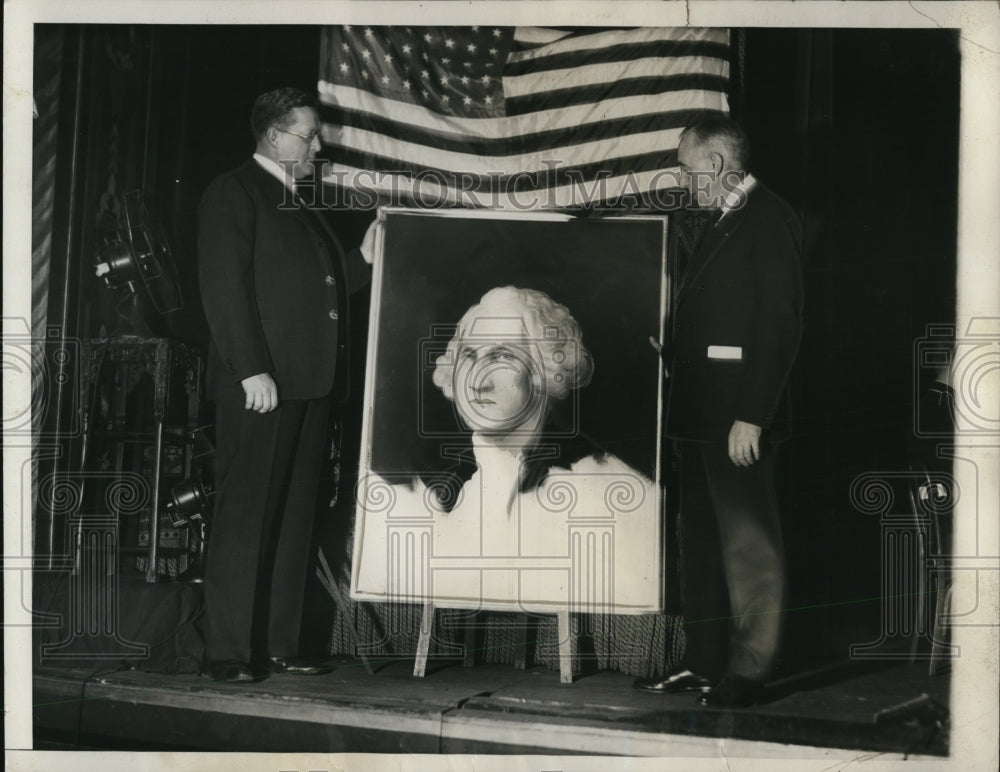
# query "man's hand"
(368, 243)
(261, 391)
(744, 443)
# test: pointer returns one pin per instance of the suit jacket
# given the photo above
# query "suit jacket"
(742, 296)
(274, 284)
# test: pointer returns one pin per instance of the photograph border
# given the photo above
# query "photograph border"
(974, 729)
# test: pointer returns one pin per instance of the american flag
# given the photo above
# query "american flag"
(508, 117)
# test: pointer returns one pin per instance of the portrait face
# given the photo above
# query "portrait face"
(498, 383)
(299, 140)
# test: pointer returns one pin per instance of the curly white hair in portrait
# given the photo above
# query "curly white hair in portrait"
(543, 329)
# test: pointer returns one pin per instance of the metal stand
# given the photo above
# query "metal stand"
(329, 583)
(120, 363)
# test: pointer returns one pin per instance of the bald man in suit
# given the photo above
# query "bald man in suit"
(737, 327)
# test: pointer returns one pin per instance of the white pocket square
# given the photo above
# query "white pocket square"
(725, 352)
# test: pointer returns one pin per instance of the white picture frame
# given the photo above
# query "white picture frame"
(588, 538)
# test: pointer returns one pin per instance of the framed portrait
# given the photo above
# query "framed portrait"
(511, 444)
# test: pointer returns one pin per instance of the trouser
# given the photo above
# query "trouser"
(733, 566)
(267, 475)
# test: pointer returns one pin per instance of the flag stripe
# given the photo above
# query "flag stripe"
(517, 149)
(626, 37)
(611, 73)
(664, 49)
(598, 93)
(581, 154)
(336, 121)
(539, 177)
(534, 36)
(344, 100)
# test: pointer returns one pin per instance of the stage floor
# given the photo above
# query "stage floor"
(489, 709)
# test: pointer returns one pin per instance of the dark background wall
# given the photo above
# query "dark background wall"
(857, 128)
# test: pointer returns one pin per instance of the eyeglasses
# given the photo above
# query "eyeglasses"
(307, 137)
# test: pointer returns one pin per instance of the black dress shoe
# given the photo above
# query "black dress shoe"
(295, 666)
(228, 670)
(678, 681)
(733, 691)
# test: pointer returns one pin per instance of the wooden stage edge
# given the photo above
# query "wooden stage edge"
(488, 709)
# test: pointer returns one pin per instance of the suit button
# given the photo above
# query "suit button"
(333, 314)
(330, 281)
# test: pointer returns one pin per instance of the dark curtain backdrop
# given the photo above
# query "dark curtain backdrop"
(859, 130)
(45, 144)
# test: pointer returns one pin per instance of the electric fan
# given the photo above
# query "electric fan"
(136, 260)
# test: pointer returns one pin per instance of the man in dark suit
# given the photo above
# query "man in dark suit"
(275, 283)
(737, 326)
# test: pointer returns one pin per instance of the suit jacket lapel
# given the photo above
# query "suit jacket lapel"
(716, 237)
(319, 223)
(274, 188)
(280, 194)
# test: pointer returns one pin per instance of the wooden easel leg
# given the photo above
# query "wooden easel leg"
(521, 642)
(424, 643)
(469, 637)
(942, 608)
(567, 647)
